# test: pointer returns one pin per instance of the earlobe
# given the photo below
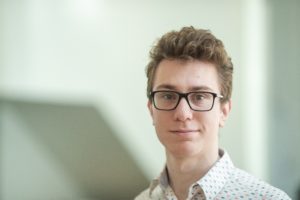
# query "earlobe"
(225, 110)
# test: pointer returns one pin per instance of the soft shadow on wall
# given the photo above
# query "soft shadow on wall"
(74, 142)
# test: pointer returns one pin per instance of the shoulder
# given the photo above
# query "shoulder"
(243, 183)
(155, 194)
(143, 195)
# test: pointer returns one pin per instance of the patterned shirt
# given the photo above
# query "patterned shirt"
(222, 181)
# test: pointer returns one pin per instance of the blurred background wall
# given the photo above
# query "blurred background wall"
(73, 116)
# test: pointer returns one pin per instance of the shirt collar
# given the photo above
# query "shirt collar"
(211, 183)
(215, 179)
(162, 180)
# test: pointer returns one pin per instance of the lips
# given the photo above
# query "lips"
(184, 131)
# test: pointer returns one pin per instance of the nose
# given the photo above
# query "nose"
(183, 111)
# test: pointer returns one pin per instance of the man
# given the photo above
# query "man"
(189, 90)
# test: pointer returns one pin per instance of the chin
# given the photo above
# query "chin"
(185, 150)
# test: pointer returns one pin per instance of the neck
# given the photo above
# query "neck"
(183, 172)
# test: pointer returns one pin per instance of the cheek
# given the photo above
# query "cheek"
(159, 120)
(209, 122)
(160, 124)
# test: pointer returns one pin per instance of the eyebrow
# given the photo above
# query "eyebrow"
(194, 88)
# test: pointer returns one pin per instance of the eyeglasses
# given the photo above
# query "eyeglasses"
(169, 100)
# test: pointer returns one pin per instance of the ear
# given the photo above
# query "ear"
(225, 110)
(150, 108)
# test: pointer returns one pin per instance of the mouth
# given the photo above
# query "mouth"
(184, 132)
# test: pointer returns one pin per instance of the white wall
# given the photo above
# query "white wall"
(28, 171)
(96, 51)
(99, 49)
(284, 116)
(54, 150)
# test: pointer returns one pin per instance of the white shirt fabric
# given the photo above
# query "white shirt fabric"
(222, 181)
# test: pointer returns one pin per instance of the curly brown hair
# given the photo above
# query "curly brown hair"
(192, 44)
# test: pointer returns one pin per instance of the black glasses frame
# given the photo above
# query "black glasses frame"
(185, 96)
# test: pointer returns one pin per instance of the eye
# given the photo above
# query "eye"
(199, 97)
(166, 95)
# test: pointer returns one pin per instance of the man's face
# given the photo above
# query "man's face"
(182, 131)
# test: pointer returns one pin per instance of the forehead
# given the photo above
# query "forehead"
(186, 76)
